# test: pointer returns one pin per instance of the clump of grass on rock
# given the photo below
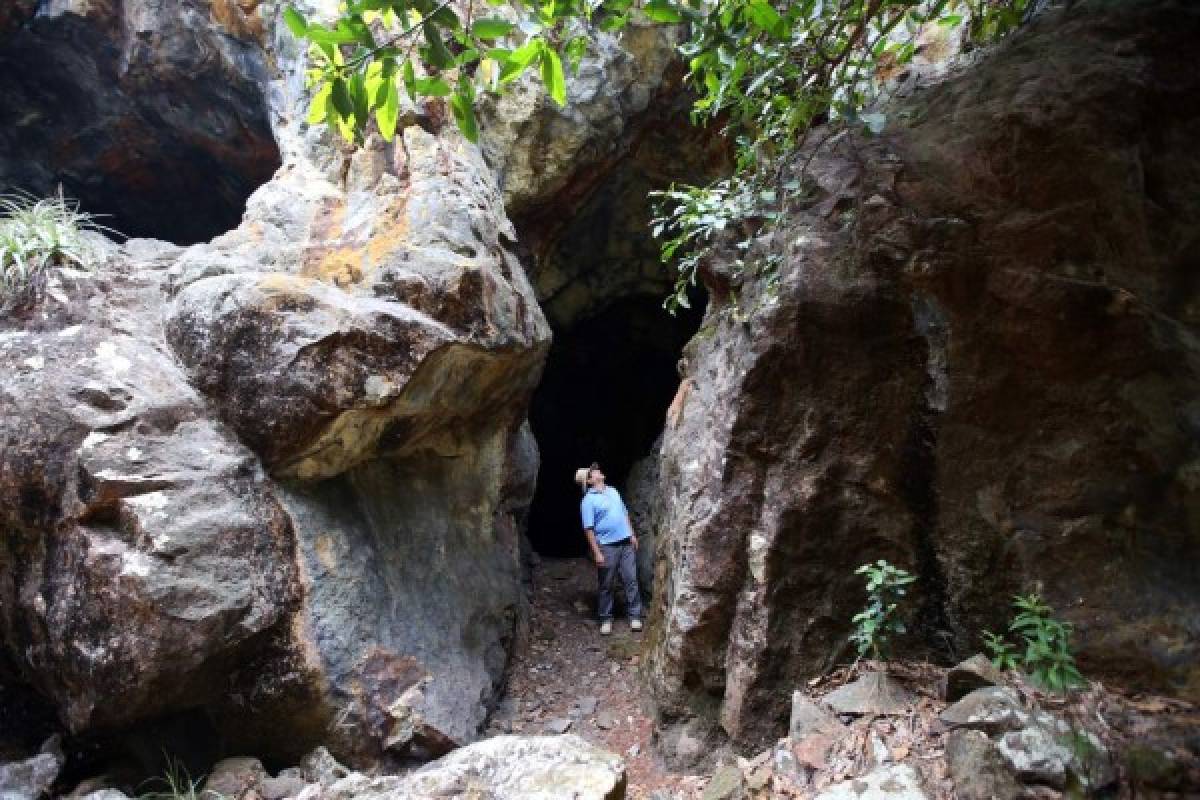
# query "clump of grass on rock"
(35, 236)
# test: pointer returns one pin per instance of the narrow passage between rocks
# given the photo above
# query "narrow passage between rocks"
(567, 678)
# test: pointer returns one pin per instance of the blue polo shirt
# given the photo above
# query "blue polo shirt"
(604, 513)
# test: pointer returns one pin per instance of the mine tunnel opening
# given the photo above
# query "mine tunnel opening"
(604, 395)
(162, 138)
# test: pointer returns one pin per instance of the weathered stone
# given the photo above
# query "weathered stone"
(558, 725)
(320, 767)
(873, 693)
(282, 786)
(31, 778)
(726, 784)
(974, 673)
(502, 768)
(978, 769)
(993, 710)
(1036, 756)
(808, 718)
(954, 366)
(884, 783)
(232, 777)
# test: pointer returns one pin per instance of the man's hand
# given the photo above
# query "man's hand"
(633, 541)
(598, 557)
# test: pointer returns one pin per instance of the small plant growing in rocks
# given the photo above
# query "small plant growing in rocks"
(1047, 656)
(876, 624)
(36, 235)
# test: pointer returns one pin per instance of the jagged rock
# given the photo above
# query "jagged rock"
(31, 778)
(953, 358)
(873, 693)
(231, 777)
(974, 673)
(106, 794)
(643, 501)
(978, 769)
(410, 732)
(502, 768)
(1036, 756)
(992, 710)
(284, 785)
(726, 784)
(320, 767)
(558, 725)
(884, 783)
(810, 718)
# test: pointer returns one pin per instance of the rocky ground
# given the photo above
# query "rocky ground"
(931, 733)
(566, 677)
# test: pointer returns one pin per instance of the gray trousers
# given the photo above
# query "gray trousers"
(620, 558)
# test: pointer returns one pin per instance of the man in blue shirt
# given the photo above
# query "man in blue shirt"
(613, 544)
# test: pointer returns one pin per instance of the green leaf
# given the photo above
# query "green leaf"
(432, 87)
(552, 76)
(575, 50)
(295, 22)
(462, 104)
(318, 109)
(438, 55)
(491, 28)
(765, 17)
(662, 11)
(388, 113)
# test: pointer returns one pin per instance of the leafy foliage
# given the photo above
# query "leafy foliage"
(360, 63)
(1047, 656)
(773, 72)
(876, 624)
(768, 72)
(35, 235)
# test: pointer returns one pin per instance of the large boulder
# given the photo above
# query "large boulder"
(978, 360)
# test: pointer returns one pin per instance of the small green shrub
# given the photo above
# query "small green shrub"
(876, 624)
(1047, 656)
(36, 235)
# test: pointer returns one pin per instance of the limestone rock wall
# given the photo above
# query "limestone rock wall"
(979, 360)
(277, 478)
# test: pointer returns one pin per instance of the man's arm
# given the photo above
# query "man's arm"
(597, 554)
(588, 512)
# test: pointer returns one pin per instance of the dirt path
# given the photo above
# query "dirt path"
(567, 678)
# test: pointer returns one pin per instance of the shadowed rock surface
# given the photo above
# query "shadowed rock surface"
(151, 113)
(978, 360)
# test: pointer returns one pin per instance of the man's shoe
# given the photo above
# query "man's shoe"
(606, 627)
(635, 624)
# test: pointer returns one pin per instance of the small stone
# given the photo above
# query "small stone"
(977, 768)
(634, 750)
(813, 750)
(282, 786)
(587, 705)
(808, 718)
(899, 782)
(993, 710)
(873, 693)
(1036, 756)
(726, 784)
(606, 720)
(558, 725)
(880, 754)
(32, 777)
(233, 777)
(322, 768)
(977, 672)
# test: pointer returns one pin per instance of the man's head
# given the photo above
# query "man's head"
(595, 478)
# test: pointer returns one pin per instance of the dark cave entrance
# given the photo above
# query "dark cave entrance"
(604, 397)
(163, 142)
(612, 370)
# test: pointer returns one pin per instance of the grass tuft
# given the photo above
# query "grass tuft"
(36, 235)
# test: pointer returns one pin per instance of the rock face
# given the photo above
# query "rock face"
(152, 113)
(978, 360)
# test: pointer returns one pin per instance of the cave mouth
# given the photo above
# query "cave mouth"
(608, 382)
(164, 138)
